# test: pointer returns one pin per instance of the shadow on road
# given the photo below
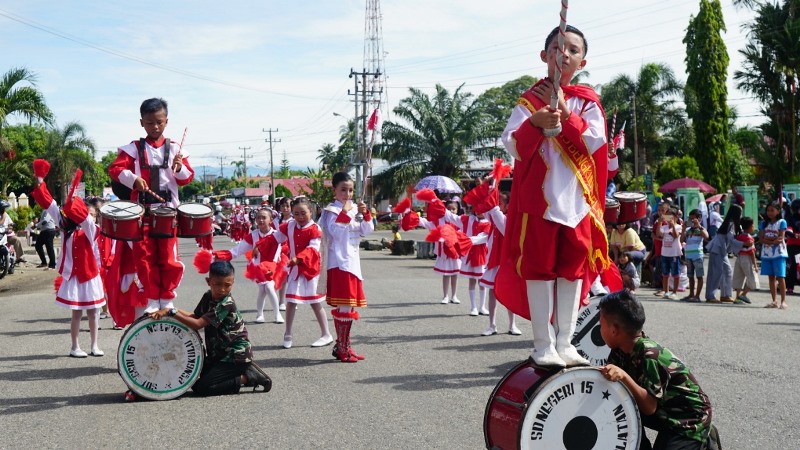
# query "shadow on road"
(432, 382)
(69, 373)
(35, 404)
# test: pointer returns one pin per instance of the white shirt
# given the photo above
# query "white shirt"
(343, 239)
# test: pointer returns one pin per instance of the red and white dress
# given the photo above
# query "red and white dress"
(444, 265)
(473, 265)
(79, 263)
(304, 246)
(272, 250)
(495, 244)
(343, 236)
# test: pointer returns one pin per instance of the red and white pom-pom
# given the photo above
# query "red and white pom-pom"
(410, 221)
(202, 260)
(476, 194)
(40, 168)
(403, 207)
(57, 282)
(254, 273)
(426, 195)
(500, 170)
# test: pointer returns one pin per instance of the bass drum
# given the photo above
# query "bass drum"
(159, 359)
(587, 339)
(572, 409)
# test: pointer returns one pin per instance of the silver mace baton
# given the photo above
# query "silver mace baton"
(562, 30)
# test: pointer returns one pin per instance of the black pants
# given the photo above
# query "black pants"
(791, 266)
(668, 440)
(219, 378)
(45, 239)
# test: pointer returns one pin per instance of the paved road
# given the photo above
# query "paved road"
(424, 384)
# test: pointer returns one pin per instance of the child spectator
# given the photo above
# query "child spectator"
(395, 237)
(671, 251)
(693, 237)
(229, 362)
(630, 276)
(744, 271)
(666, 391)
(774, 253)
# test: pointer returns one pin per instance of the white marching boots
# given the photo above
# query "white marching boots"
(568, 299)
(540, 302)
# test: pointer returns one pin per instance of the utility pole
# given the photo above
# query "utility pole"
(244, 157)
(635, 141)
(359, 155)
(270, 141)
(221, 158)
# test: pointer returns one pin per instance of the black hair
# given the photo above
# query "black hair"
(339, 177)
(221, 269)
(746, 222)
(732, 217)
(695, 213)
(624, 309)
(777, 205)
(283, 201)
(153, 105)
(395, 228)
(570, 29)
(301, 201)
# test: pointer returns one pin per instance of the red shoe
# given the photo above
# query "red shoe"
(130, 396)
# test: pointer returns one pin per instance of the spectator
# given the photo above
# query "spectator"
(47, 232)
(13, 240)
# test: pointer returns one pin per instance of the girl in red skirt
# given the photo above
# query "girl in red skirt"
(343, 233)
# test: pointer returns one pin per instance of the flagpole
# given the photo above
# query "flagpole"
(562, 31)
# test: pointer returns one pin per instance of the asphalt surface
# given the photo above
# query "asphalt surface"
(424, 384)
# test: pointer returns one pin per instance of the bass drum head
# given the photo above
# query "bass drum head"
(159, 359)
(587, 339)
(120, 209)
(579, 409)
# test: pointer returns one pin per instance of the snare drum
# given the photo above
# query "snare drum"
(632, 206)
(194, 220)
(122, 220)
(162, 222)
(159, 359)
(587, 339)
(612, 212)
(532, 408)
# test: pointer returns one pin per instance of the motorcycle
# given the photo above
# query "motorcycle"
(8, 257)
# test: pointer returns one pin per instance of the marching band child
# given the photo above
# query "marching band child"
(80, 287)
(153, 168)
(305, 240)
(272, 253)
(473, 265)
(343, 232)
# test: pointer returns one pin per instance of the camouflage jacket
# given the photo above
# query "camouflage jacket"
(226, 335)
(683, 407)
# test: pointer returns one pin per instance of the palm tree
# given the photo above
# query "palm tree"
(68, 149)
(442, 132)
(238, 172)
(327, 155)
(655, 91)
(26, 101)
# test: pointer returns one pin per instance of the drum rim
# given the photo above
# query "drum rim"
(632, 399)
(159, 211)
(193, 214)
(635, 196)
(166, 394)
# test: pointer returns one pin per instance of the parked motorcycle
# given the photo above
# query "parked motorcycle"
(8, 257)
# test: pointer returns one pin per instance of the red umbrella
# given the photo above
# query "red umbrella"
(714, 198)
(674, 185)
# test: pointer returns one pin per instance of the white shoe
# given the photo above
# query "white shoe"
(323, 341)
(489, 331)
(97, 352)
(279, 319)
(287, 342)
(282, 307)
(484, 312)
(78, 353)
(260, 318)
(445, 301)
(103, 315)
(514, 331)
(473, 312)
(455, 300)
(548, 358)
(571, 357)
(566, 316)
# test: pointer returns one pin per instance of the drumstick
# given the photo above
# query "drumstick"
(157, 197)
(175, 166)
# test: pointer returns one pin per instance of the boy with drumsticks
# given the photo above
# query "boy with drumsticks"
(667, 393)
(153, 168)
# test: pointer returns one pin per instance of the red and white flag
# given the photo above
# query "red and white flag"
(619, 139)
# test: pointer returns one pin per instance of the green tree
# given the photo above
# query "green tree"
(706, 92)
(238, 172)
(654, 91)
(282, 191)
(433, 135)
(770, 73)
(19, 96)
(675, 168)
(188, 192)
(222, 186)
(317, 191)
(285, 169)
(69, 149)
(24, 143)
(498, 102)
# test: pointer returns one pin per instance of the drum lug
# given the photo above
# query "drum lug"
(114, 225)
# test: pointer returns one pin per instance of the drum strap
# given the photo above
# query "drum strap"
(155, 171)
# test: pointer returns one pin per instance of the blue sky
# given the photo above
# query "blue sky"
(231, 69)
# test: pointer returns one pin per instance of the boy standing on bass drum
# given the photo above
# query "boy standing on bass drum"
(666, 392)
(556, 242)
(154, 167)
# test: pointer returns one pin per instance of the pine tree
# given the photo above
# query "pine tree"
(706, 92)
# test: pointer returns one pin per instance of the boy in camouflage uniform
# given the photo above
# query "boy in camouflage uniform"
(229, 357)
(668, 396)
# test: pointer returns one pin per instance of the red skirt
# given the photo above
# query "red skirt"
(344, 289)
